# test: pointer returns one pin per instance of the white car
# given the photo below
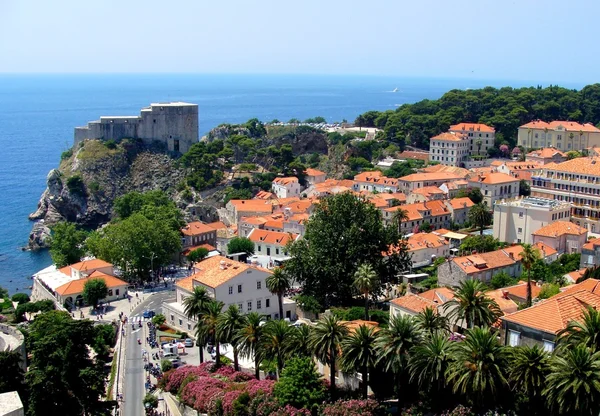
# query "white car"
(188, 342)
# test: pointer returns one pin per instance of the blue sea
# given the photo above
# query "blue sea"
(38, 114)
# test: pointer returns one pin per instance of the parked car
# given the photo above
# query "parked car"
(149, 314)
(170, 356)
(176, 362)
(188, 342)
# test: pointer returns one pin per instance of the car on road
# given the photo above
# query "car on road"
(149, 314)
(176, 362)
(188, 342)
(170, 355)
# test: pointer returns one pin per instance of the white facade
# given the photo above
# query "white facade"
(449, 149)
(496, 186)
(286, 187)
(516, 220)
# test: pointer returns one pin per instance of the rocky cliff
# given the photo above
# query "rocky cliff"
(82, 190)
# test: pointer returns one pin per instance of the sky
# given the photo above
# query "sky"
(546, 41)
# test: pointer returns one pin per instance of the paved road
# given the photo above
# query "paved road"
(133, 389)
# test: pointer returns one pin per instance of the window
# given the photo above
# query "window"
(231, 290)
(513, 338)
(189, 326)
(521, 214)
(172, 318)
(520, 230)
(249, 305)
(240, 307)
(276, 251)
(110, 292)
(180, 322)
(267, 303)
(548, 346)
(117, 292)
(239, 288)
(259, 304)
(259, 285)
(259, 247)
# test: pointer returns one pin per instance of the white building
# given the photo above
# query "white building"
(271, 243)
(450, 149)
(315, 176)
(496, 186)
(230, 282)
(481, 136)
(516, 220)
(286, 187)
(562, 135)
(424, 248)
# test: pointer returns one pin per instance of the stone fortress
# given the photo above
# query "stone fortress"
(173, 124)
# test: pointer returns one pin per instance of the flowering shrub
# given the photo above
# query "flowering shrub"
(351, 408)
(199, 393)
(2, 318)
(459, 410)
(290, 411)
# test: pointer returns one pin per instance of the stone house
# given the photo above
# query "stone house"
(314, 176)
(562, 236)
(495, 186)
(239, 208)
(197, 233)
(590, 253)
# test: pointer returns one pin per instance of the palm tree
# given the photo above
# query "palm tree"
(207, 325)
(529, 256)
(278, 283)
(365, 280)
(478, 368)
(326, 338)
(480, 214)
(573, 385)
(394, 345)
(399, 216)
(586, 332)
(249, 338)
(471, 304)
(359, 352)
(431, 322)
(300, 341)
(193, 307)
(274, 342)
(429, 362)
(228, 326)
(528, 369)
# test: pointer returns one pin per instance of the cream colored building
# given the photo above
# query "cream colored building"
(476, 132)
(450, 149)
(562, 236)
(516, 220)
(495, 186)
(562, 135)
(576, 181)
(286, 187)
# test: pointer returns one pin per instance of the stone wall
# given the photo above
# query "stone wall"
(11, 339)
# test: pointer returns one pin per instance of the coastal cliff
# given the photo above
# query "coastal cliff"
(93, 174)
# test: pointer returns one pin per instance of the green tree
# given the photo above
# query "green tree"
(67, 244)
(431, 322)
(399, 216)
(548, 290)
(300, 385)
(479, 367)
(528, 369)
(524, 188)
(159, 319)
(529, 255)
(94, 290)
(425, 227)
(299, 345)
(240, 245)
(344, 231)
(20, 298)
(480, 243)
(12, 376)
(250, 338)
(278, 283)
(472, 305)
(326, 339)
(365, 280)
(197, 255)
(502, 279)
(395, 343)
(275, 342)
(208, 326)
(63, 379)
(480, 214)
(429, 363)
(229, 324)
(584, 332)
(194, 307)
(359, 352)
(573, 385)
(475, 195)
(150, 401)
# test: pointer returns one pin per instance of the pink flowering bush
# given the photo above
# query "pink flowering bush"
(290, 411)
(351, 408)
(199, 393)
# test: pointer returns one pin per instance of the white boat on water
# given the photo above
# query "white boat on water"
(395, 90)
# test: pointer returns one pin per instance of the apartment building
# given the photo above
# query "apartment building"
(449, 149)
(424, 248)
(495, 186)
(197, 233)
(271, 243)
(239, 208)
(375, 181)
(515, 220)
(545, 156)
(314, 176)
(562, 135)
(286, 187)
(481, 137)
(562, 236)
(575, 181)
(408, 183)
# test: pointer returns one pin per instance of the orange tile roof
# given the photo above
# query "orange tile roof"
(591, 285)
(461, 203)
(576, 274)
(558, 228)
(299, 217)
(75, 287)
(476, 263)
(253, 220)
(264, 195)
(413, 303)
(353, 325)
(216, 270)
(484, 128)
(462, 172)
(271, 237)
(216, 225)
(552, 315)
(196, 228)
(450, 137)
(414, 155)
(505, 304)
(88, 265)
(547, 153)
(581, 165)
(285, 181)
(520, 290)
(190, 249)
(442, 231)
(422, 241)
(592, 244)
(428, 191)
(299, 207)
(567, 125)
(368, 176)
(531, 165)
(430, 176)
(313, 172)
(438, 295)
(251, 205)
(186, 283)
(545, 249)
(494, 178)
(274, 224)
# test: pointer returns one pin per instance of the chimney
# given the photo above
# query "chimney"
(511, 255)
(505, 294)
